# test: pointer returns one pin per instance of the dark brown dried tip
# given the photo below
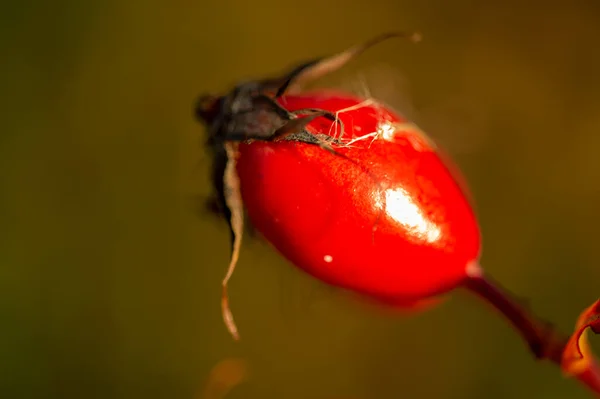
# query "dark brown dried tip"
(205, 108)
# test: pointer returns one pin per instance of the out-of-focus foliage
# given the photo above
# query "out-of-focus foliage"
(109, 278)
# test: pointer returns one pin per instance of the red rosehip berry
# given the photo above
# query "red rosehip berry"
(381, 216)
(358, 197)
(342, 186)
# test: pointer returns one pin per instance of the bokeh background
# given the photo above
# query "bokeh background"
(109, 273)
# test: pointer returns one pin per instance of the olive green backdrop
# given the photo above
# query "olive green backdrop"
(109, 275)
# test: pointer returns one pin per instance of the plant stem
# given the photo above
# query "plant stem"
(544, 341)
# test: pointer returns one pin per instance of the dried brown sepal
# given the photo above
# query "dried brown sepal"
(293, 81)
(577, 356)
(233, 198)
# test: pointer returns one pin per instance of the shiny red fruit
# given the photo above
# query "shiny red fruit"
(353, 194)
(383, 216)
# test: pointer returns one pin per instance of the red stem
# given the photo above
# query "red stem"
(544, 341)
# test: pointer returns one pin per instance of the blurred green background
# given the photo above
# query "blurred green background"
(109, 276)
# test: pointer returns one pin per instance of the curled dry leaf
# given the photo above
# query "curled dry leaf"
(578, 360)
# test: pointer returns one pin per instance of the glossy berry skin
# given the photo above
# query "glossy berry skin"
(384, 217)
